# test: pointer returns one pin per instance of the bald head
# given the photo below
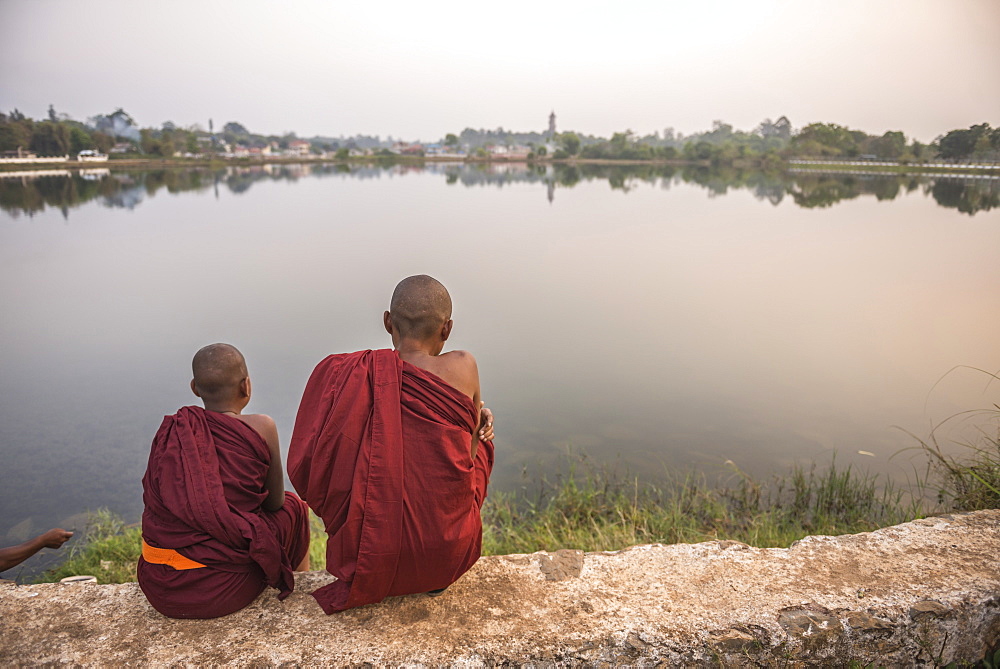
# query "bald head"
(420, 306)
(218, 371)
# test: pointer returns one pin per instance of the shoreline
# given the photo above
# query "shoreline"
(919, 593)
(794, 164)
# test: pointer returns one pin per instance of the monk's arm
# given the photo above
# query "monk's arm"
(15, 555)
(485, 423)
(472, 371)
(274, 482)
(462, 372)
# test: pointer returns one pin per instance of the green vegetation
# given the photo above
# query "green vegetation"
(593, 509)
(108, 549)
(771, 143)
(806, 187)
(979, 141)
(60, 135)
(973, 481)
(767, 145)
(317, 542)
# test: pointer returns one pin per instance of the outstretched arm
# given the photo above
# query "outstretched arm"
(15, 555)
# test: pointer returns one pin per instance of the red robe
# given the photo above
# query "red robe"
(202, 492)
(381, 452)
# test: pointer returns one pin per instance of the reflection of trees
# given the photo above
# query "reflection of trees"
(127, 190)
(806, 189)
(32, 195)
(770, 186)
(967, 197)
(823, 191)
(495, 174)
(886, 189)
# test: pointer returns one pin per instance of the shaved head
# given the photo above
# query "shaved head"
(420, 306)
(218, 370)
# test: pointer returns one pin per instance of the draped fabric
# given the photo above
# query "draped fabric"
(381, 452)
(202, 491)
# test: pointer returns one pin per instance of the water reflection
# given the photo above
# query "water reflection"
(641, 316)
(31, 193)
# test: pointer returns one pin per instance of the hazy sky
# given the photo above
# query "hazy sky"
(418, 70)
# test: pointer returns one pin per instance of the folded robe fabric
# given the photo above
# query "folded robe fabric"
(203, 490)
(381, 452)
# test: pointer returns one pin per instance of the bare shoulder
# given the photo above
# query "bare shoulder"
(459, 368)
(459, 358)
(262, 423)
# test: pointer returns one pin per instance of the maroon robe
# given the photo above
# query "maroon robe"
(381, 452)
(203, 490)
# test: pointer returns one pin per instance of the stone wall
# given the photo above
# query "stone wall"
(921, 593)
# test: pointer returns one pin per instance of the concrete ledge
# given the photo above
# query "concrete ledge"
(925, 592)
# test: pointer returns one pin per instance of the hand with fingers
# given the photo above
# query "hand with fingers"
(485, 423)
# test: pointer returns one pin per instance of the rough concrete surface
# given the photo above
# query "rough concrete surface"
(921, 593)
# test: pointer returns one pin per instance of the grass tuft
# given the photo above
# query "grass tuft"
(972, 480)
(109, 550)
(593, 508)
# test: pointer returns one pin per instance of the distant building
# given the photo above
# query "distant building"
(406, 149)
(299, 147)
(552, 124)
(443, 150)
(20, 153)
(89, 155)
(515, 152)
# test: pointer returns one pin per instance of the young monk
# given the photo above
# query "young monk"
(218, 525)
(392, 451)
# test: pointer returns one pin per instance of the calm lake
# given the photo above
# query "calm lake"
(653, 318)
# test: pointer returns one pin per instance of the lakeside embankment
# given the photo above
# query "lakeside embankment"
(591, 508)
(927, 168)
(918, 594)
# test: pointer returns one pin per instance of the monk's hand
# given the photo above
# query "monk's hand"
(55, 537)
(485, 423)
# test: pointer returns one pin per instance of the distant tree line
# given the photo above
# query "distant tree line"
(60, 135)
(777, 141)
(55, 136)
(771, 142)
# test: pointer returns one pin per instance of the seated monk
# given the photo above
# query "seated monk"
(393, 450)
(218, 525)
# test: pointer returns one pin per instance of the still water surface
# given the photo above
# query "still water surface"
(653, 318)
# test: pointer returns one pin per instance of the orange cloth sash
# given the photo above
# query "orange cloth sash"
(167, 556)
